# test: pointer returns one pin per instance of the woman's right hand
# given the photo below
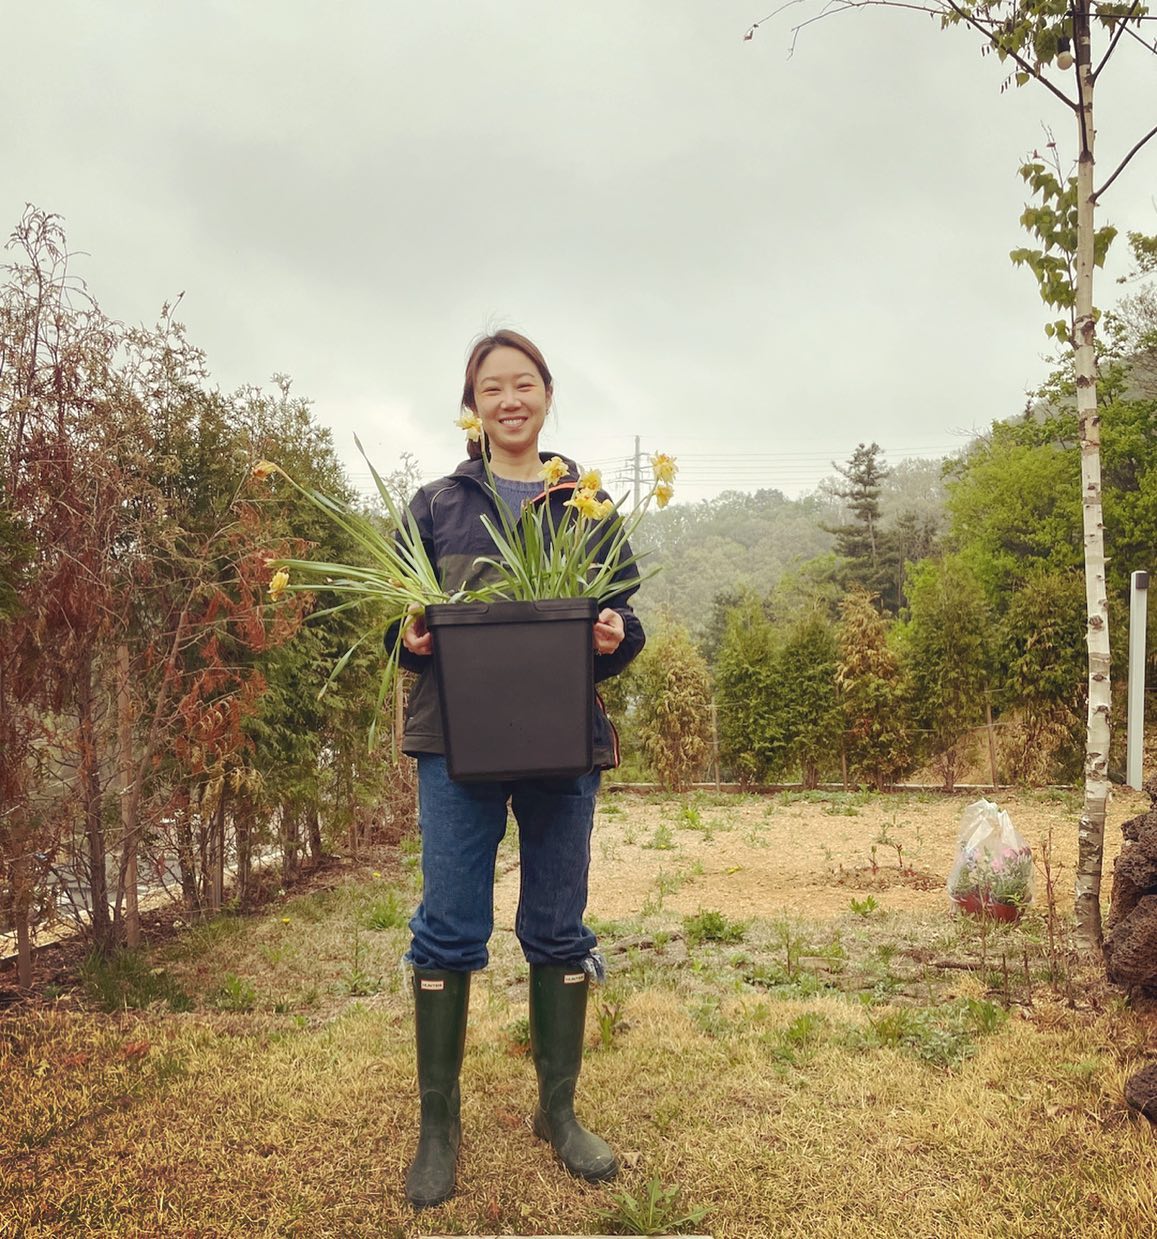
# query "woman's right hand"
(416, 637)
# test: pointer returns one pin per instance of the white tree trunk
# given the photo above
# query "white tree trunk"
(1091, 838)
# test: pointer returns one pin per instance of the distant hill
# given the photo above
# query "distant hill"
(748, 539)
(719, 544)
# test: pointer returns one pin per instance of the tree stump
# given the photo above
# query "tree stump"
(1131, 941)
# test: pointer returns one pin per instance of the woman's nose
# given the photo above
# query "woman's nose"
(510, 400)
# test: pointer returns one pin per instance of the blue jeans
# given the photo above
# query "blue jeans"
(462, 825)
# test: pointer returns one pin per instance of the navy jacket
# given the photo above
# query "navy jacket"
(448, 513)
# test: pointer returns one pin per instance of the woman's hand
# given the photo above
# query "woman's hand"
(416, 637)
(609, 631)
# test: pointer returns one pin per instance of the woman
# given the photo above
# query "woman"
(506, 396)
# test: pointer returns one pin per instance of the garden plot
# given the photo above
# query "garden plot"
(802, 854)
(796, 1036)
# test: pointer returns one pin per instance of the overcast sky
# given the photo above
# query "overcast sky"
(750, 261)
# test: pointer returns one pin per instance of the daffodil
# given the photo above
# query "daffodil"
(264, 469)
(585, 503)
(606, 508)
(591, 479)
(553, 471)
(664, 468)
(663, 493)
(278, 583)
(472, 424)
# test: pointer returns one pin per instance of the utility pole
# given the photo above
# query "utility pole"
(638, 471)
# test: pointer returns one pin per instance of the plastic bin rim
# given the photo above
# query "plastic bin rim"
(450, 613)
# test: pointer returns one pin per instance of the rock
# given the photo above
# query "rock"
(1134, 875)
(1130, 932)
(1142, 829)
(1141, 1092)
(1131, 946)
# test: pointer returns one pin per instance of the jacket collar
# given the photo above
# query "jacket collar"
(476, 469)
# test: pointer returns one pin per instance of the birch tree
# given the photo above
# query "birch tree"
(1051, 43)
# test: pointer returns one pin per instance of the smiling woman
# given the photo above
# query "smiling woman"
(499, 497)
(509, 388)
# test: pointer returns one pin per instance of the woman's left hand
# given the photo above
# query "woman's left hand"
(609, 631)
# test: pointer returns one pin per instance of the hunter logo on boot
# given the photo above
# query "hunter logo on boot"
(433, 984)
(574, 978)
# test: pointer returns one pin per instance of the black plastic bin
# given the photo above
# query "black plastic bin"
(516, 687)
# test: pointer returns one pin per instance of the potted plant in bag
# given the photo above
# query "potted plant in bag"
(997, 884)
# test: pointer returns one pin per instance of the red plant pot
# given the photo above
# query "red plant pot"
(1009, 912)
(970, 903)
(974, 905)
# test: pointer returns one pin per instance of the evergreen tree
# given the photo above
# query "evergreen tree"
(946, 639)
(1042, 684)
(909, 539)
(724, 602)
(674, 707)
(873, 695)
(808, 665)
(15, 553)
(750, 693)
(860, 542)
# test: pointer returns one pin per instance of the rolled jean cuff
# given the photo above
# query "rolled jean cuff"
(406, 966)
(595, 966)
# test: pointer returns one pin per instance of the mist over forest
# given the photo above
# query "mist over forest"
(751, 541)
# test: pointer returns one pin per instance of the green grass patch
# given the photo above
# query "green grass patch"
(709, 925)
(128, 980)
(943, 1036)
(388, 911)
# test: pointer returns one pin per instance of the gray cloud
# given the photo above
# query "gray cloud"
(723, 251)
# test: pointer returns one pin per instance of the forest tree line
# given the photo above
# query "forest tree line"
(936, 616)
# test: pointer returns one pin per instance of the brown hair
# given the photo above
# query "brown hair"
(481, 349)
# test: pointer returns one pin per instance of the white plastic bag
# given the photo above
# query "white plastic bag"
(993, 866)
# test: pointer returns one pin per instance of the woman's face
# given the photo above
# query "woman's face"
(512, 401)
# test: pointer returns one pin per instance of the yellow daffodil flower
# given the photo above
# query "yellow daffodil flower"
(664, 467)
(591, 479)
(278, 583)
(553, 471)
(606, 508)
(585, 503)
(663, 493)
(264, 469)
(472, 424)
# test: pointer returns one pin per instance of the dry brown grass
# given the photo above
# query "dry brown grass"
(861, 1095)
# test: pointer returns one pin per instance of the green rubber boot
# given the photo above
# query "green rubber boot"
(558, 1007)
(441, 1000)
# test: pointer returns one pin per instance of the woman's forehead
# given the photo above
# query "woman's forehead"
(506, 363)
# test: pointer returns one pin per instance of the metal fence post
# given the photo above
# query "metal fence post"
(1135, 728)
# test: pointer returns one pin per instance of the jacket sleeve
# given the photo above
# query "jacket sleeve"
(626, 582)
(407, 660)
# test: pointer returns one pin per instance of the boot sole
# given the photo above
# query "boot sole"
(430, 1203)
(591, 1176)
